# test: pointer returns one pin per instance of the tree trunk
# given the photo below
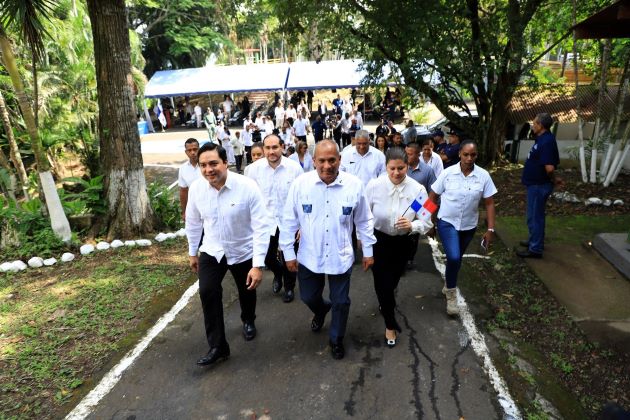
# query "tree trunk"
(579, 115)
(129, 210)
(600, 99)
(58, 219)
(4, 162)
(14, 151)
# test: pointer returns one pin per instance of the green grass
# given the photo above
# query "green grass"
(63, 323)
(567, 229)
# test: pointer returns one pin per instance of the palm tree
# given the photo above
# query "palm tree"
(28, 15)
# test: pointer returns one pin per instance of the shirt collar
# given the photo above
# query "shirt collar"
(459, 170)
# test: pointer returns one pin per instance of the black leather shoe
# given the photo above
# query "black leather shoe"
(318, 320)
(289, 295)
(528, 254)
(215, 354)
(249, 330)
(276, 286)
(337, 350)
(524, 243)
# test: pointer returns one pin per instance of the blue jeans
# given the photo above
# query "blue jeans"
(455, 243)
(311, 289)
(537, 196)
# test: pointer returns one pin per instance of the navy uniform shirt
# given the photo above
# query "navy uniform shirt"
(543, 152)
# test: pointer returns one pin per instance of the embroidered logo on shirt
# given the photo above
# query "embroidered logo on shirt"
(307, 208)
(346, 210)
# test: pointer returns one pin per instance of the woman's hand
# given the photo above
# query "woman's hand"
(403, 224)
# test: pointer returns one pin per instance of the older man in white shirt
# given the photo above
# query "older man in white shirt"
(230, 211)
(363, 160)
(274, 176)
(324, 205)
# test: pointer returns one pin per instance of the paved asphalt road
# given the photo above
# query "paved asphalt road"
(287, 371)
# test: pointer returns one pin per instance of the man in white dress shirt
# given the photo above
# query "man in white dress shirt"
(363, 160)
(230, 211)
(300, 127)
(324, 205)
(188, 173)
(274, 176)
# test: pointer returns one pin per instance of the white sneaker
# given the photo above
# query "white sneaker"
(451, 302)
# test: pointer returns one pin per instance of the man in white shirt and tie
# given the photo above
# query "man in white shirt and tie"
(363, 160)
(229, 209)
(188, 173)
(274, 176)
(324, 205)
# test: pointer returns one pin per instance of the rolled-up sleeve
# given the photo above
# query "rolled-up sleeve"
(364, 222)
(261, 224)
(289, 225)
(194, 223)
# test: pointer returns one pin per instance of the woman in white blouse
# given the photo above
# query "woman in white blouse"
(303, 157)
(461, 187)
(390, 197)
(431, 158)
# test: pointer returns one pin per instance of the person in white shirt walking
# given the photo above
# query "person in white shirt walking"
(363, 160)
(248, 130)
(237, 146)
(300, 127)
(198, 115)
(279, 114)
(324, 205)
(188, 173)
(461, 187)
(274, 176)
(390, 197)
(229, 209)
(431, 158)
(303, 157)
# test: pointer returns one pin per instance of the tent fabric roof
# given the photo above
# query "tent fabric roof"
(325, 74)
(611, 22)
(255, 77)
(217, 79)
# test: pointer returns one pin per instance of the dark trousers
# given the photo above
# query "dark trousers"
(248, 153)
(390, 257)
(239, 162)
(414, 239)
(311, 290)
(301, 138)
(455, 243)
(537, 196)
(345, 139)
(211, 274)
(276, 264)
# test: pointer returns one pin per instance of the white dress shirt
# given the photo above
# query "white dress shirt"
(246, 135)
(324, 214)
(460, 195)
(234, 220)
(187, 174)
(290, 113)
(308, 161)
(299, 126)
(275, 184)
(366, 167)
(388, 202)
(435, 163)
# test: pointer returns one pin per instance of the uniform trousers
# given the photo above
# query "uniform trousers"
(311, 290)
(211, 274)
(277, 265)
(390, 258)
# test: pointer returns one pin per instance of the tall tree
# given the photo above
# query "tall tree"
(27, 15)
(14, 151)
(477, 49)
(130, 212)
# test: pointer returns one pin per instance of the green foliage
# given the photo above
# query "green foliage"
(165, 206)
(89, 198)
(34, 234)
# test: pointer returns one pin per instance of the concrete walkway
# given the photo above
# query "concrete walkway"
(595, 294)
(287, 371)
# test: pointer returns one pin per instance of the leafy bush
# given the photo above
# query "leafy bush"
(34, 235)
(88, 199)
(165, 206)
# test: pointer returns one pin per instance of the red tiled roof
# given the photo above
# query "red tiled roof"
(560, 101)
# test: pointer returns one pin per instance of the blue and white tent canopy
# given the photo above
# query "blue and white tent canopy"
(256, 77)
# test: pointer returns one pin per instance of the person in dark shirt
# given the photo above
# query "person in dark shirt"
(381, 129)
(318, 129)
(539, 178)
(450, 153)
(438, 140)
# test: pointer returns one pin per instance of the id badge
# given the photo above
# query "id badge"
(307, 208)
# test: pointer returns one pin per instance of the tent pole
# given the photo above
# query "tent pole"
(147, 116)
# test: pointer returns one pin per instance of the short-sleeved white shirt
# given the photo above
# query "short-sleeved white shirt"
(187, 174)
(299, 126)
(460, 195)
